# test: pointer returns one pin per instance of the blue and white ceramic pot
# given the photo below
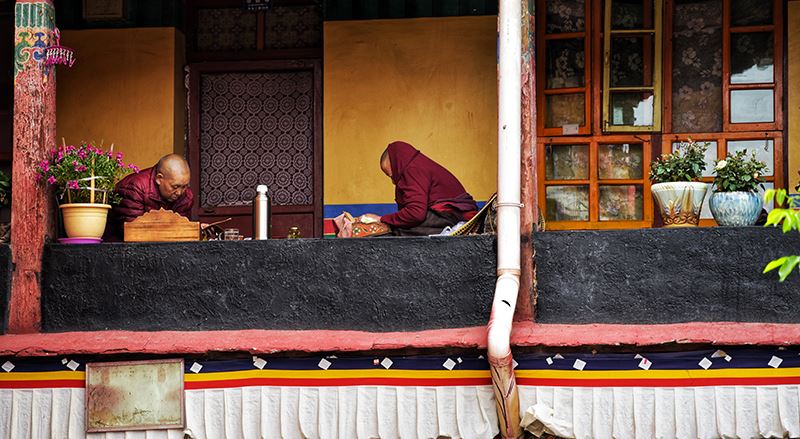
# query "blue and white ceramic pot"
(735, 208)
(680, 202)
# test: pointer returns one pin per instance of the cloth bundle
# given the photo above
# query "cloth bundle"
(359, 227)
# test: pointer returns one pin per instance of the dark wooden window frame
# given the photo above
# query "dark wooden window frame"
(587, 89)
(195, 71)
(777, 85)
(659, 142)
(594, 182)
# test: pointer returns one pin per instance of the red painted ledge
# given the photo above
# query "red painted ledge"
(269, 342)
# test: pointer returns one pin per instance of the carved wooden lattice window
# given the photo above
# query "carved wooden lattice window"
(256, 128)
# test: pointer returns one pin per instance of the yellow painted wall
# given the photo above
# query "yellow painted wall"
(794, 92)
(430, 82)
(125, 88)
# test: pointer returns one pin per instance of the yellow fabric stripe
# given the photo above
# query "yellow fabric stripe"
(643, 374)
(42, 376)
(358, 373)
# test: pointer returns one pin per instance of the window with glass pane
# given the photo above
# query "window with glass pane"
(620, 162)
(632, 65)
(710, 157)
(751, 88)
(567, 203)
(621, 202)
(764, 151)
(567, 162)
(562, 64)
(752, 106)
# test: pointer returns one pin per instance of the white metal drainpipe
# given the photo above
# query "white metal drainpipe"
(508, 216)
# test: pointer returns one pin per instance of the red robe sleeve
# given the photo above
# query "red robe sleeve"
(413, 190)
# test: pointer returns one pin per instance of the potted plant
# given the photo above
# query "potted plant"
(677, 192)
(84, 178)
(735, 201)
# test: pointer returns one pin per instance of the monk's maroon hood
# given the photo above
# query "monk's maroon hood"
(401, 154)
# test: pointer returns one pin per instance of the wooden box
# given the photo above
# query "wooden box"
(162, 226)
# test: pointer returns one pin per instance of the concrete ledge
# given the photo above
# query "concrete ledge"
(378, 285)
(653, 276)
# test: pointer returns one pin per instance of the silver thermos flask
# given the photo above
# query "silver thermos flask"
(262, 213)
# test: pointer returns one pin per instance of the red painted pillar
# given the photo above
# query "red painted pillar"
(32, 217)
(529, 195)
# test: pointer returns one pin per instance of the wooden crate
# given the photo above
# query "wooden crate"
(162, 226)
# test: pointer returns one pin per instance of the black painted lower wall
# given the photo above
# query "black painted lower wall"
(5, 285)
(387, 284)
(665, 276)
(407, 284)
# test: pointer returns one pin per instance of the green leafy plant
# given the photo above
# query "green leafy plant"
(787, 213)
(739, 173)
(78, 171)
(5, 189)
(687, 163)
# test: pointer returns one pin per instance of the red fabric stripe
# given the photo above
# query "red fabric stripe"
(42, 384)
(329, 227)
(660, 382)
(333, 382)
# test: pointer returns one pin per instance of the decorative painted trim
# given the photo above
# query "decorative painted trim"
(34, 23)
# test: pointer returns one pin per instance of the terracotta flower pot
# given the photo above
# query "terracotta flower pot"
(85, 220)
(680, 202)
(735, 208)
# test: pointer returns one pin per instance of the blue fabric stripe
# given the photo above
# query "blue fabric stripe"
(740, 358)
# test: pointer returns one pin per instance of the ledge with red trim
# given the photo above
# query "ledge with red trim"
(525, 334)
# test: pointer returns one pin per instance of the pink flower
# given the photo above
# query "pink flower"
(51, 180)
(44, 165)
(73, 184)
(134, 167)
(38, 178)
(82, 154)
(60, 155)
(119, 156)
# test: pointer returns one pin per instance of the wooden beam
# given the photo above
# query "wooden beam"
(529, 194)
(34, 133)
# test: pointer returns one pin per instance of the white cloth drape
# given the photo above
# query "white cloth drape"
(668, 413)
(273, 413)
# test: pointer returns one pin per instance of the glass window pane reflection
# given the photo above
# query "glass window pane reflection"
(567, 203)
(567, 162)
(565, 110)
(750, 106)
(752, 58)
(623, 161)
(621, 203)
(635, 109)
(710, 157)
(764, 150)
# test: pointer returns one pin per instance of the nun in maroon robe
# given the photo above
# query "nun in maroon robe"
(428, 196)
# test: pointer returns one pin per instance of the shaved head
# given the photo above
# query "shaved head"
(172, 177)
(172, 165)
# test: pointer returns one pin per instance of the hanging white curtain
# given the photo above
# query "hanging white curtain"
(273, 412)
(668, 413)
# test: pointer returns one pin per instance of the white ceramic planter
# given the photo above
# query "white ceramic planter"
(85, 220)
(680, 202)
